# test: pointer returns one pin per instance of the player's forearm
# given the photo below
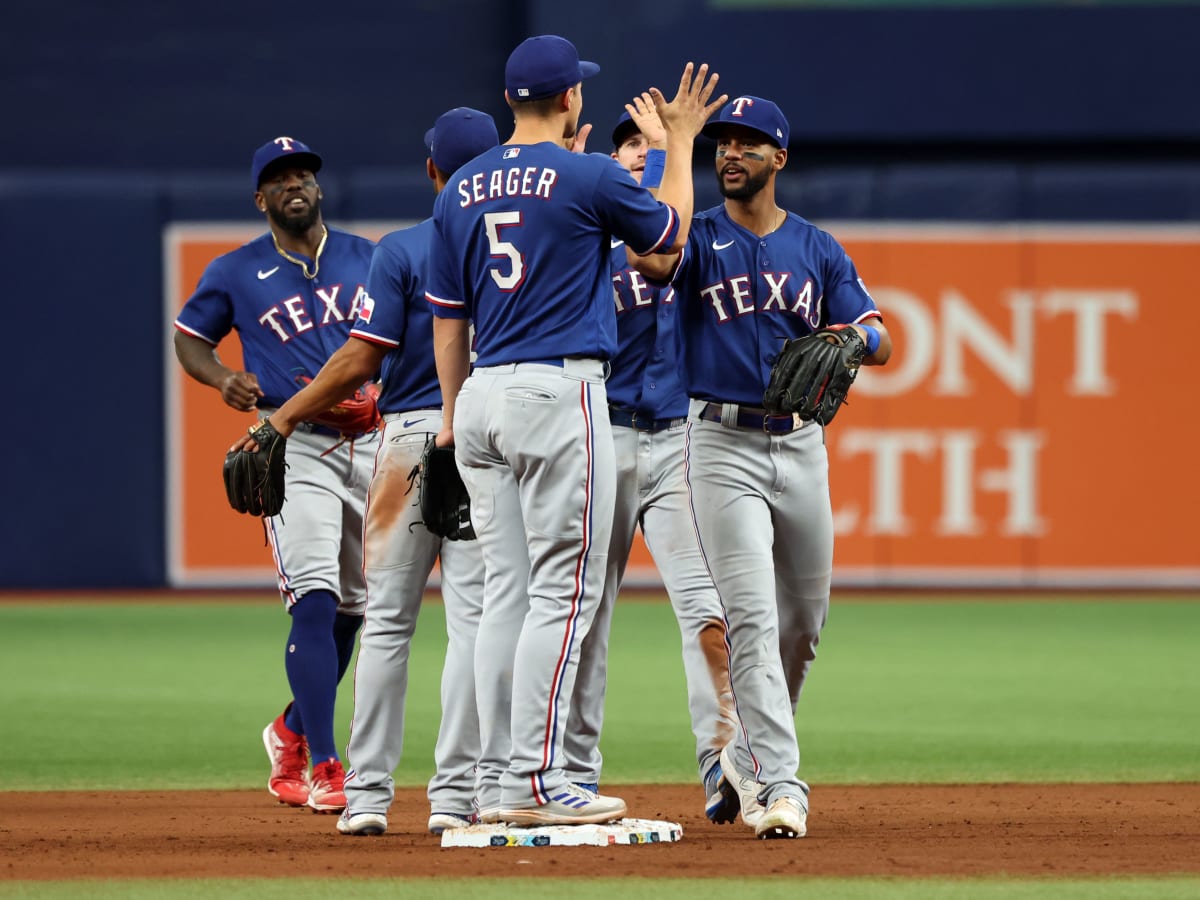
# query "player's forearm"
(884, 351)
(343, 373)
(676, 188)
(452, 356)
(199, 359)
(656, 267)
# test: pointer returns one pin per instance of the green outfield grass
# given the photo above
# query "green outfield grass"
(173, 695)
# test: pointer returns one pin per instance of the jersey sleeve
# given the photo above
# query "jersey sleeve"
(208, 313)
(847, 299)
(382, 317)
(443, 279)
(630, 212)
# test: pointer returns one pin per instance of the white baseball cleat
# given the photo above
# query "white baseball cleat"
(361, 824)
(747, 788)
(784, 818)
(571, 805)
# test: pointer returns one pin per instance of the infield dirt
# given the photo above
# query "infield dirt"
(882, 830)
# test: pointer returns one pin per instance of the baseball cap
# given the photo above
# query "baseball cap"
(544, 65)
(458, 136)
(272, 151)
(753, 112)
(625, 126)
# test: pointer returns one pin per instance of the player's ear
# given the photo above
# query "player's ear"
(431, 169)
(780, 158)
(260, 201)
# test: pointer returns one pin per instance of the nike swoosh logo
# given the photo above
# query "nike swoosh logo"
(717, 246)
(263, 275)
(409, 423)
(614, 244)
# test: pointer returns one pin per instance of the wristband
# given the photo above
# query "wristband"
(652, 174)
(873, 339)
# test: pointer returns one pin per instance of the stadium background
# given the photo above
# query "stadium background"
(122, 122)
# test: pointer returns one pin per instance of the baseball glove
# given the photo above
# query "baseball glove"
(254, 481)
(445, 504)
(812, 375)
(358, 415)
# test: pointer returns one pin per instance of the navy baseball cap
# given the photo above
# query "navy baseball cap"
(623, 129)
(460, 135)
(543, 66)
(756, 113)
(299, 153)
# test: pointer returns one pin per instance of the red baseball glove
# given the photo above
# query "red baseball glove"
(358, 415)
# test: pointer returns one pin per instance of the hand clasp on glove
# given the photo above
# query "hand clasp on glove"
(254, 480)
(445, 504)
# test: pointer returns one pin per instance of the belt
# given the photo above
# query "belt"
(405, 413)
(625, 417)
(557, 362)
(753, 417)
(312, 427)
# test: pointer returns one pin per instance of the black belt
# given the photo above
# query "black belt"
(557, 362)
(752, 417)
(625, 417)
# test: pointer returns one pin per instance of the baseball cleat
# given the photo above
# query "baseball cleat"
(570, 806)
(327, 787)
(361, 824)
(288, 752)
(721, 798)
(440, 821)
(784, 818)
(490, 815)
(747, 789)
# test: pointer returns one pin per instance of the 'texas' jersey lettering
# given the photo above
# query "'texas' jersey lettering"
(630, 290)
(292, 316)
(768, 292)
(499, 184)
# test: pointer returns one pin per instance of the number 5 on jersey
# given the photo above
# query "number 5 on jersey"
(494, 221)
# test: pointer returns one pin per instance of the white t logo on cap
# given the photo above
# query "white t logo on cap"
(285, 143)
(741, 103)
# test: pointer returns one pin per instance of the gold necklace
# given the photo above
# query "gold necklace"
(301, 263)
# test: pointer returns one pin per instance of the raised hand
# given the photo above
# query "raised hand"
(686, 114)
(578, 143)
(644, 115)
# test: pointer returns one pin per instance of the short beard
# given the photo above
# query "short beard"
(749, 188)
(296, 225)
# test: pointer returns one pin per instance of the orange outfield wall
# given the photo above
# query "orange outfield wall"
(1034, 427)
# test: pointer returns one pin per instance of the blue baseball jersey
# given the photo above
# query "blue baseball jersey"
(521, 248)
(743, 295)
(645, 370)
(395, 314)
(289, 325)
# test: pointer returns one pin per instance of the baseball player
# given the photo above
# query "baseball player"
(648, 408)
(751, 276)
(292, 295)
(515, 252)
(393, 333)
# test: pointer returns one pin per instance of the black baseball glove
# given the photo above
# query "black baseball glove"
(445, 504)
(254, 481)
(812, 375)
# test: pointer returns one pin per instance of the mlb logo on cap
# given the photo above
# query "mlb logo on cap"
(755, 113)
(299, 154)
(543, 66)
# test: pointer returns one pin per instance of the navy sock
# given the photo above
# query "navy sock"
(345, 630)
(311, 662)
